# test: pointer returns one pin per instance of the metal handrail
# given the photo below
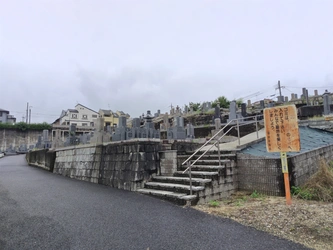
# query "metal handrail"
(218, 140)
(206, 143)
(237, 121)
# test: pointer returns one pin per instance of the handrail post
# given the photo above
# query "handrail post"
(219, 152)
(190, 175)
(238, 134)
(256, 120)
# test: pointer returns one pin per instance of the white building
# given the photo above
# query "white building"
(81, 116)
(5, 117)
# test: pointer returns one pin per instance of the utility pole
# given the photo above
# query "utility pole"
(27, 114)
(30, 114)
(280, 97)
(279, 87)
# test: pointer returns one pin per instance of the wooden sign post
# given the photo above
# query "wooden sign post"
(282, 135)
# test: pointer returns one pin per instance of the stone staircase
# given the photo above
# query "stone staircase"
(209, 180)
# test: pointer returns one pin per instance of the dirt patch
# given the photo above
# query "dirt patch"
(306, 222)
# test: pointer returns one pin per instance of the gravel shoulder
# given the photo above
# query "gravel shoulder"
(306, 222)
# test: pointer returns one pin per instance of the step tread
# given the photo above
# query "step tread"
(182, 196)
(210, 155)
(216, 160)
(206, 166)
(181, 179)
(199, 172)
(174, 185)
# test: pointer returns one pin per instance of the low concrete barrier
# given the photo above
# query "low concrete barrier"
(41, 158)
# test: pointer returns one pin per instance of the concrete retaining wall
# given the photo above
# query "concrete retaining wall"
(128, 165)
(304, 165)
(125, 165)
(82, 162)
(14, 138)
(41, 158)
(265, 174)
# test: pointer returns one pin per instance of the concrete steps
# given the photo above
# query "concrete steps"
(178, 198)
(176, 188)
(182, 180)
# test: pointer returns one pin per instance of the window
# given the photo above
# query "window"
(85, 117)
(74, 124)
(0, 113)
(74, 116)
(94, 116)
(84, 124)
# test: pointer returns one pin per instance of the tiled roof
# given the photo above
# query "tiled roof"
(2, 110)
(311, 138)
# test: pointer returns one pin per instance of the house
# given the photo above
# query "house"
(84, 118)
(81, 116)
(111, 118)
(5, 117)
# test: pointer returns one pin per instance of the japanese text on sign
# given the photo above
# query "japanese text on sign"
(281, 127)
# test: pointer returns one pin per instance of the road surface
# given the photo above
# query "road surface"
(41, 210)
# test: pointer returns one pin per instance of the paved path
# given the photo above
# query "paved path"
(41, 210)
(234, 145)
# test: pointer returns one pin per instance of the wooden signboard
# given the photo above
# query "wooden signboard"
(282, 135)
(281, 127)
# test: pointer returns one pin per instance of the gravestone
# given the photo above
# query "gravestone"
(136, 123)
(45, 135)
(186, 110)
(305, 95)
(232, 110)
(122, 122)
(100, 135)
(190, 131)
(262, 104)
(217, 113)
(327, 102)
(130, 133)
(177, 132)
(57, 142)
(243, 109)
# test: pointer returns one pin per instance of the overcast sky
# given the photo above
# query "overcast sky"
(144, 55)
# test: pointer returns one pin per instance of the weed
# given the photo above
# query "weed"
(255, 194)
(214, 203)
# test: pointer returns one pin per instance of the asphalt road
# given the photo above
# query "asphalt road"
(41, 210)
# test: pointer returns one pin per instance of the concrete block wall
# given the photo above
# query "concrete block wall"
(168, 162)
(81, 162)
(304, 165)
(41, 158)
(222, 186)
(128, 165)
(263, 175)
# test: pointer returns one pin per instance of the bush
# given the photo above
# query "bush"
(22, 126)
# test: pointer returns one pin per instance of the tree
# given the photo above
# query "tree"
(239, 101)
(195, 106)
(223, 101)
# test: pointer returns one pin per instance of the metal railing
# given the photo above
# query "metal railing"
(188, 160)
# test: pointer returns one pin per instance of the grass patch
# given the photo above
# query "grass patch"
(214, 203)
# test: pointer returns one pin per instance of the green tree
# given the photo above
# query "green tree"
(239, 101)
(223, 101)
(195, 106)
